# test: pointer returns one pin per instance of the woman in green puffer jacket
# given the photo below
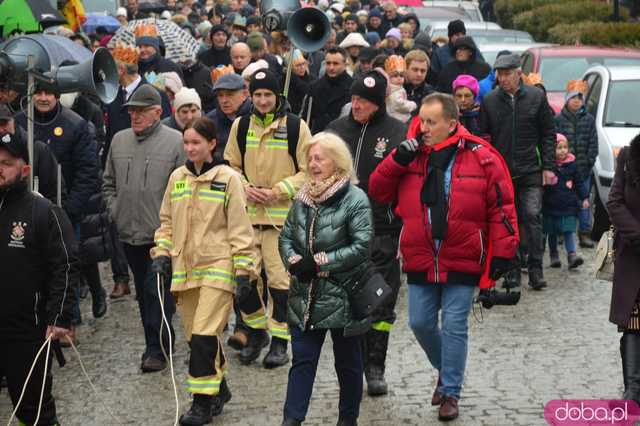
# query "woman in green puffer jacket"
(325, 246)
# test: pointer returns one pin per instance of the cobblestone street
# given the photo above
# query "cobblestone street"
(555, 344)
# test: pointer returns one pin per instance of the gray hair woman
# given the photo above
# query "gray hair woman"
(325, 246)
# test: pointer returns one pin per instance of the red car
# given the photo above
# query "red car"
(559, 64)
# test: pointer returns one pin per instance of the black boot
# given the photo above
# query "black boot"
(347, 422)
(376, 343)
(585, 239)
(630, 349)
(536, 280)
(199, 413)
(99, 302)
(258, 339)
(220, 399)
(277, 355)
(291, 422)
(574, 260)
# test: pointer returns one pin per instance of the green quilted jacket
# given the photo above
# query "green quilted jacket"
(343, 229)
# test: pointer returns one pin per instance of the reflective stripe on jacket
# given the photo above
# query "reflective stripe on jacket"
(205, 229)
(267, 164)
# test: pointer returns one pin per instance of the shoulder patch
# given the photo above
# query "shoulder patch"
(218, 186)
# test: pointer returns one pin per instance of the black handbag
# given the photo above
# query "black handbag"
(369, 293)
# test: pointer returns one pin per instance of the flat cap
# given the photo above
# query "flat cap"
(507, 62)
(144, 96)
(5, 112)
(229, 82)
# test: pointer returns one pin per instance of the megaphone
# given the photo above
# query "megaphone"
(59, 63)
(98, 76)
(308, 28)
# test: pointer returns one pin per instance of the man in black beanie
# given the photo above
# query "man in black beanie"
(219, 53)
(150, 59)
(445, 54)
(266, 148)
(372, 134)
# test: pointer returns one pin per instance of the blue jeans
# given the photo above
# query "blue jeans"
(445, 347)
(584, 216)
(306, 347)
(148, 301)
(569, 243)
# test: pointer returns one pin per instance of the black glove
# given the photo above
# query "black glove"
(407, 151)
(635, 245)
(485, 297)
(499, 266)
(162, 265)
(243, 288)
(305, 269)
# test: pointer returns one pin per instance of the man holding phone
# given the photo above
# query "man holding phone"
(456, 202)
(371, 134)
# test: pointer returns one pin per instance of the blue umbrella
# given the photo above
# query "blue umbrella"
(95, 20)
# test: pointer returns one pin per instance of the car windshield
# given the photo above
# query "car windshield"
(622, 104)
(490, 36)
(556, 71)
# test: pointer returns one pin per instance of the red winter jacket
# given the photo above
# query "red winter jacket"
(481, 216)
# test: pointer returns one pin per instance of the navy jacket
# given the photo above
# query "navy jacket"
(580, 130)
(564, 198)
(73, 143)
(223, 123)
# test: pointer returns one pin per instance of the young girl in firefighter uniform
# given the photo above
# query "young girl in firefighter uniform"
(204, 246)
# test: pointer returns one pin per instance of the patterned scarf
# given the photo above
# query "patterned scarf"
(313, 192)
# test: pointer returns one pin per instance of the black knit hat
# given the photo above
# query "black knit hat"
(455, 27)
(264, 79)
(217, 28)
(371, 86)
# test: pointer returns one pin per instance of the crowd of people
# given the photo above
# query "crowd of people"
(390, 153)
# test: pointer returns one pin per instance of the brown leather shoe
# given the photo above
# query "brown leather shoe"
(449, 409)
(120, 290)
(436, 398)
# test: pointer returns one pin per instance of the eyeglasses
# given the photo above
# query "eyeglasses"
(141, 110)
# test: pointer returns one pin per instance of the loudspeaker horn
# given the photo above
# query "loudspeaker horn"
(308, 28)
(98, 76)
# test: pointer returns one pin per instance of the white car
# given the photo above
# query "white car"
(614, 100)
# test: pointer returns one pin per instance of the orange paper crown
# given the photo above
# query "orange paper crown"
(219, 71)
(395, 64)
(580, 86)
(146, 30)
(532, 79)
(125, 53)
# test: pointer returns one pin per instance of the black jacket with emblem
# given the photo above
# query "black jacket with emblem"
(369, 144)
(37, 258)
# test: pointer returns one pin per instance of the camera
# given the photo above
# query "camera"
(491, 297)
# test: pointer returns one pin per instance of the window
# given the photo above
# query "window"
(593, 97)
(527, 63)
(621, 109)
(556, 71)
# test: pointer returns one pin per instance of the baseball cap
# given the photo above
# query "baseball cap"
(16, 145)
(145, 95)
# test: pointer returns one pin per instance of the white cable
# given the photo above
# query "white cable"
(46, 343)
(44, 380)
(165, 321)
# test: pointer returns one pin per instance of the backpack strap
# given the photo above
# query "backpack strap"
(293, 134)
(241, 137)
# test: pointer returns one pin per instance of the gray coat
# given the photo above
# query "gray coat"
(624, 211)
(135, 178)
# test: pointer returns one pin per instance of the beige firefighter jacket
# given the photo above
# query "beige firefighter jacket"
(205, 229)
(267, 164)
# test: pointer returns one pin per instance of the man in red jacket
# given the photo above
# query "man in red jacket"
(454, 195)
